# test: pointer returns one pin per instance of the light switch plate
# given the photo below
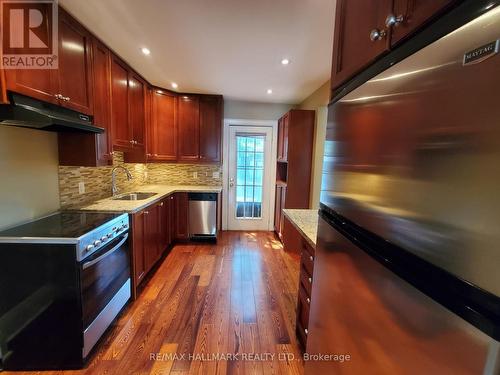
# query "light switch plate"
(81, 187)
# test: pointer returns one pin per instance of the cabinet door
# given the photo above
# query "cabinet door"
(280, 139)
(210, 128)
(75, 74)
(171, 219)
(277, 209)
(36, 83)
(120, 129)
(102, 99)
(283, 206)
(139, 266)
(137, 109)
(189, 129)
(151, 230)
(352, 47)
(164, 127)
(413, 14)
(164, 226)
(286, 121)
(181, 216)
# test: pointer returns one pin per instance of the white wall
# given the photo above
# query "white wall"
(29, 184)
(236, 109)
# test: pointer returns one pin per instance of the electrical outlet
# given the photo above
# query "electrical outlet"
(81, 187)
(215, 175)
(195, 174)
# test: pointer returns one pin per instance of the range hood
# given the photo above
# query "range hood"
(31, 113)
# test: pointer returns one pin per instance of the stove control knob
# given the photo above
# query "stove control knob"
(124, 226)
(89, 248)
(97, 242)
(110, 235)
(104, 238)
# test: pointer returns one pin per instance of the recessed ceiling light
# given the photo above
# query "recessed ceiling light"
(285, 61)
(269, 91)
(174, 85)
(145, 51)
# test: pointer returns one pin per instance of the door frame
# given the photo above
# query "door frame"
(225, 165)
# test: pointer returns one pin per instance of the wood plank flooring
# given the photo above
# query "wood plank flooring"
(232, 299)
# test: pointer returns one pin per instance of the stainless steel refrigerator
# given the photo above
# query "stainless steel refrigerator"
(407, 268)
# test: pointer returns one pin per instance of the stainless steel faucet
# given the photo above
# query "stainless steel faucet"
(114, 189)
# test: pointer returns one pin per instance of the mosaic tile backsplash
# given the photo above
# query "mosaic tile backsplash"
(98, 180)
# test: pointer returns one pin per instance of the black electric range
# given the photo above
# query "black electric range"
(63, 279)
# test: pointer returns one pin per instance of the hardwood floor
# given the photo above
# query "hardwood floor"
(236, 298)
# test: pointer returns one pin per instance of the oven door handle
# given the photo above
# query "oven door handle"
(101, 257)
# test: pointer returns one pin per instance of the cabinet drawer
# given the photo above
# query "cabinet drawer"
(307, 261)
(303, 308)
(306, 280)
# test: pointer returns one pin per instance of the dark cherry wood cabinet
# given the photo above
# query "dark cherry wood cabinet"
(210, 108)
(162, 136)
(354, 46)
(409, 15)
(151, 235)
(305, 285)
(293, 169)
(138, 249)
(75, 73)
(189, 128)
(120, 129)
(181, 216)
(366, 29)
(71, 84)
(92, 150)
(137, 109)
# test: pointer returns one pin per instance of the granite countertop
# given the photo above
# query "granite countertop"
(306, 222)
(110, 205)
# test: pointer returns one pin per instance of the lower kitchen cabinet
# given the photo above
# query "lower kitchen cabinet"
(181, 216)
(304, 298)
(151, 236)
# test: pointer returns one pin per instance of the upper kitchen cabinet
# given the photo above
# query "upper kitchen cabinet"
(189, 128)
(94, 150)
(137, 108)
(366, 29)
(121, 130)
(408, 15)
(162, 135)
(359, 37)
(71, 84)
(210, 128)
(74, 78)
(199, 128)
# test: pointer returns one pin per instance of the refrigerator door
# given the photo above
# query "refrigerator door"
(361, 309)
(413, 155)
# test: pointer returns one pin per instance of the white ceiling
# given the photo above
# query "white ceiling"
(229, 47)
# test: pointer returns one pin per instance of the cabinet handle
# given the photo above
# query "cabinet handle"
(161, 204)
(58, 96)
(132, 141)
(310, 280)
(66, 98)
(306, 331)
(311, 258)
(148, 155)
(308, 301)
(146, 212)
(393, 20)
(377, 34)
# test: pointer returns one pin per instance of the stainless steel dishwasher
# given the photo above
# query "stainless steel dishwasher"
(202, 216)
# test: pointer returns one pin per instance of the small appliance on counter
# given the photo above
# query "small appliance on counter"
(63, 280)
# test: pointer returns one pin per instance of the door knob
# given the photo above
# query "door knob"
(393, 20)
(231, 182)
(377, 34)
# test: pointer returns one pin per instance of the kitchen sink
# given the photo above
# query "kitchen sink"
(133, 196)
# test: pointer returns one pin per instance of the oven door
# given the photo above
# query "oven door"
(105, 285)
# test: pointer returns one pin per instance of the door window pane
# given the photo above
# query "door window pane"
(249, 175)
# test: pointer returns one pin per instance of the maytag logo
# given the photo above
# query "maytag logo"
(29, 34)
(481, 53)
